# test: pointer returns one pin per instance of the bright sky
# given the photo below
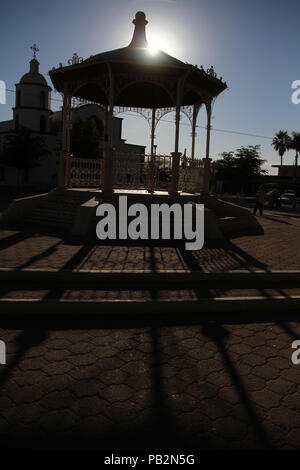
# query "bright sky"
(252, 45)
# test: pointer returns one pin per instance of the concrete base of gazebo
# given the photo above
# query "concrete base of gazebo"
(74, 211)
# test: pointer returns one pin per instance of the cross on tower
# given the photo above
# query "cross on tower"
(35, 50)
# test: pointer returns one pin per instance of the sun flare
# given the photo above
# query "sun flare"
(153, 50)
(160, 43)
(154, 45)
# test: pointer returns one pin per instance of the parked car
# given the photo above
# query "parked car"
(289, 198)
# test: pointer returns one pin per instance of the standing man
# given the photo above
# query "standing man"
(260, 199)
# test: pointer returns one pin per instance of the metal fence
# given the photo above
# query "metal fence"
(191, 175)
(139, 171)
(85, 172)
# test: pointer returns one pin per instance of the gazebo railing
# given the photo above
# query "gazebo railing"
(129, 170)
(191, 175)
(139, 171)
(85, 172)
(161, 170)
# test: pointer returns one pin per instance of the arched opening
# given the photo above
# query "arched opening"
(99, 123)
(42, 124)
(17, 122)
(43, 100)
(18, 98)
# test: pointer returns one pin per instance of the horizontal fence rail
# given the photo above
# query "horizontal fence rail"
(139, 171)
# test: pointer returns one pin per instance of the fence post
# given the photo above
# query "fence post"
(108, 170)
(173, 188)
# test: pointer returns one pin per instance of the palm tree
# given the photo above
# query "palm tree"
(281, 143)
(295, 145)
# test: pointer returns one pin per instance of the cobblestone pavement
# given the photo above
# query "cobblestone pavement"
(121, 385)
(278, 248)
(124, 383)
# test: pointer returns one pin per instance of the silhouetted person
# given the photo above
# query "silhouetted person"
(260, 199)
(274, 198)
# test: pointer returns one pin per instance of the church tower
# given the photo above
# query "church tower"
(33, 95)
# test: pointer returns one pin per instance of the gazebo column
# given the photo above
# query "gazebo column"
(64, 173)
(207, 159)
(108, 148)
(151, 179)
(173, 188)
(68, 150)
(195, 115)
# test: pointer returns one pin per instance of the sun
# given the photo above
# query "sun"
(160, 42)
(153, 50)
(153, 46)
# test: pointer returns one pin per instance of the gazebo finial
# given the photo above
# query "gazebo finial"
(139, 35)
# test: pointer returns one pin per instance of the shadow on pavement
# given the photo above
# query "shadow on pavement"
(159, 428)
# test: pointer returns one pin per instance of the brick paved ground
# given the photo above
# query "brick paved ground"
(122, 385)
(278, 248)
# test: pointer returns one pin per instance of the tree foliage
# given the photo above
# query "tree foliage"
(21, 150)
(86, 138)
(294, 144)
(281, 143)
(239, 170)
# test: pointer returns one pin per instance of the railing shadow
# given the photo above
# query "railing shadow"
(26, 340)
(218, 334)
(13, 239)
(161, 429)
(40, 256)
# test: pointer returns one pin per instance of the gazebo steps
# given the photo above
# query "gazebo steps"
(120, 295)
(58, 210)
(74, 211)
(127, 299)
(145, 276)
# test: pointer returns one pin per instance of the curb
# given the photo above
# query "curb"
(40, 275)
(120, 307)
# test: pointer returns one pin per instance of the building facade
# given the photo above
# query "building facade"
(33, 110)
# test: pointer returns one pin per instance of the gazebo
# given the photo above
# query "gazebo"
(133, 77)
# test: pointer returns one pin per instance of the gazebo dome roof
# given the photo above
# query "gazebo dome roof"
(138, 55)
(144, 79)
